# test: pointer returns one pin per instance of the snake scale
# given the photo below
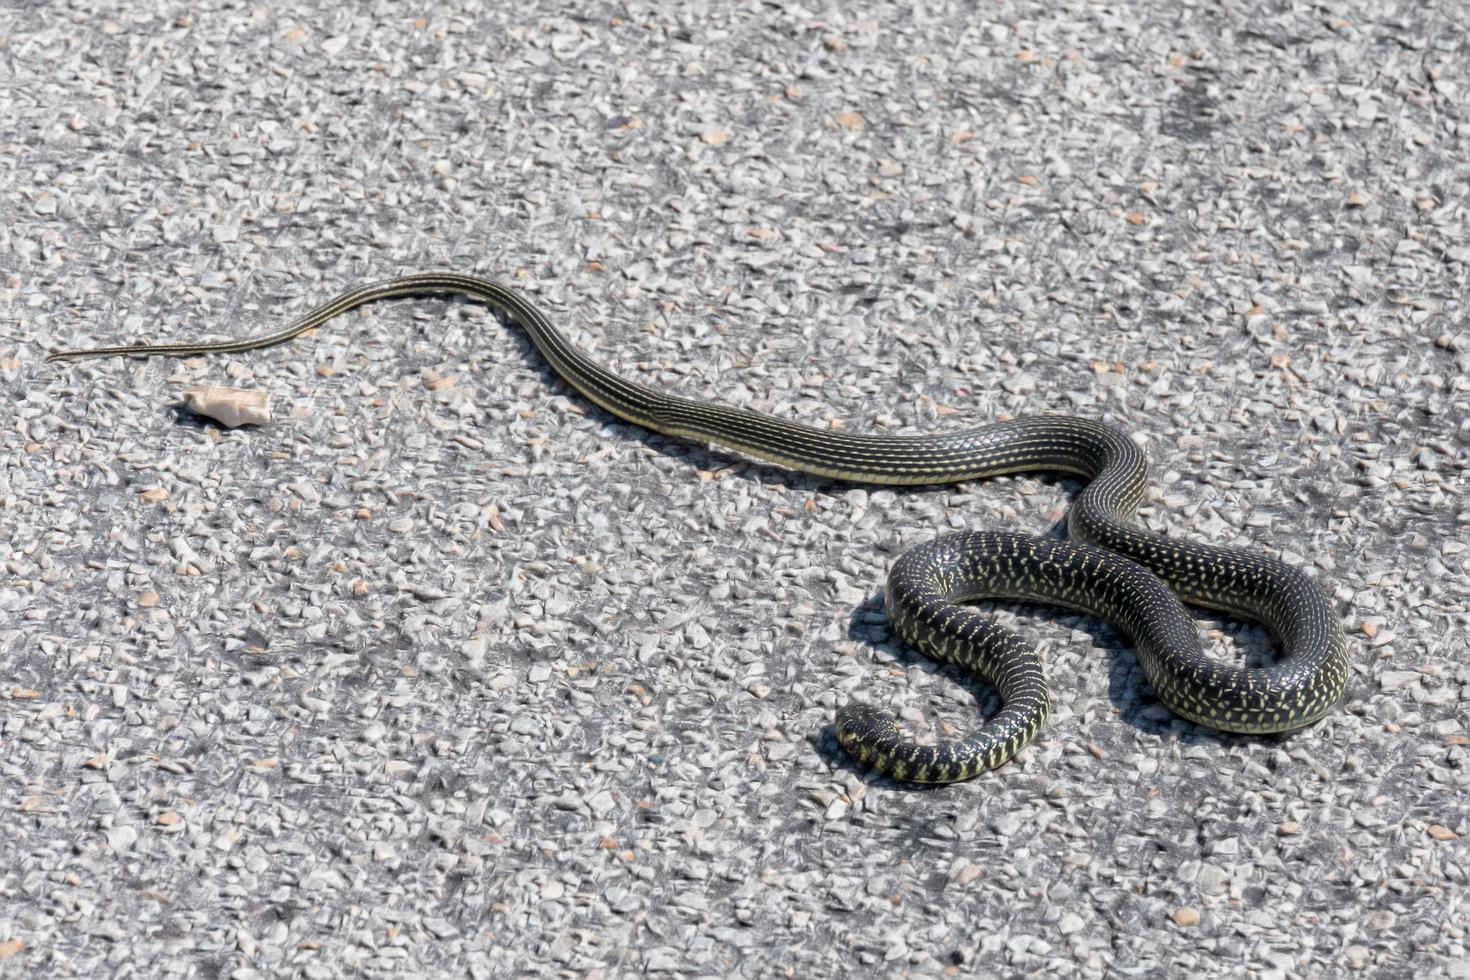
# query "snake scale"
(1110, 566)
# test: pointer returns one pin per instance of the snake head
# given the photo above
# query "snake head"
(868, 735)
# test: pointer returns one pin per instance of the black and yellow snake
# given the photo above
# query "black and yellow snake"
(1111, 567)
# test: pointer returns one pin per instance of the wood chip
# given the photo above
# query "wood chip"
(230, 407)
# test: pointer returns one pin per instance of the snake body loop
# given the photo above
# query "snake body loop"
(1111, 567)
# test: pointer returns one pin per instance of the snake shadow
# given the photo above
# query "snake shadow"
(1128, 687)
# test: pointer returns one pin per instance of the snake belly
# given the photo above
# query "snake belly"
(1111, 567)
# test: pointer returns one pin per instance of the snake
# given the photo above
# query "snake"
(1109, 566)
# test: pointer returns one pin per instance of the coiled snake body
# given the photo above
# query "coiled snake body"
(1110, 567)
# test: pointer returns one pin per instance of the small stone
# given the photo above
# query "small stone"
(1382, 920)
(122, 838)
(1186, 916)
(1226, 847)
(602, 803)
(441, 927)
(1212, 879)
(1006, 825)
(1393, 680)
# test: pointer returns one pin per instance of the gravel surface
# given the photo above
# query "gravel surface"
(448, 672)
